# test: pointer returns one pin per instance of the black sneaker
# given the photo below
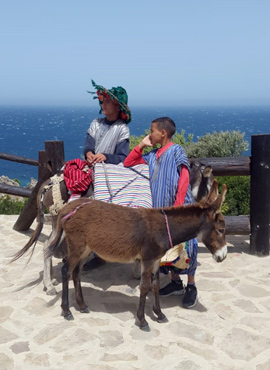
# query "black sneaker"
(173, 288)
(191, 297)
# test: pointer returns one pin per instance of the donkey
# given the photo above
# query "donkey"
(145, 233)
(201, 180)
(53, 194)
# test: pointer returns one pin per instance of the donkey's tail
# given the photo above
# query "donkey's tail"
(52, 248)
(36, 234)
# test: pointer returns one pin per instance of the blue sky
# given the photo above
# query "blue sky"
(178, 52)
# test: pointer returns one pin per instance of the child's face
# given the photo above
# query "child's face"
(156, 136)
(109, 108)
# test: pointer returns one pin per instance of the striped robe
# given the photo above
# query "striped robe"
(164, 175)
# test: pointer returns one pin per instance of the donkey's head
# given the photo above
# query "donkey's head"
(213, 234)
(201, 180)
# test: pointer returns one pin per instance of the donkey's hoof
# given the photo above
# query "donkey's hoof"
(162, 319)
(145, 328)
(85, 310)
(143, 325)
(51, 291)
(69, 317)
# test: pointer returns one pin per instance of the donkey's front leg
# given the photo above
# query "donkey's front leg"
(144, 289)
(155, 288)
(65, 303)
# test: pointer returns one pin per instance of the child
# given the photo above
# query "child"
(107, 140)
(169, 182)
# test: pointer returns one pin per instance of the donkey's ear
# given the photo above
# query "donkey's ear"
(216, 206)
(213, 193)
(207, 171)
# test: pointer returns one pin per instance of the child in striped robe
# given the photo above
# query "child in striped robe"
(169, 182)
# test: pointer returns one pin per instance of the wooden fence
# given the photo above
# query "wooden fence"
(50, 161)
(257, 225)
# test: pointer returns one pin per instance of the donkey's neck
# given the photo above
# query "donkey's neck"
(185, 223)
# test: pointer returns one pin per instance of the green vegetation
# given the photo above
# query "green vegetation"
(218, 144)
(237, 197)
(9, 206)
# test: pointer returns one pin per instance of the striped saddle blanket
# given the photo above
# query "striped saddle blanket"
(122, 185)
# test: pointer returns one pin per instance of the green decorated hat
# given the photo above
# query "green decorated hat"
(117, 95)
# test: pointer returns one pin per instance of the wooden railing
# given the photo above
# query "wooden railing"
(257, 225)
(50, 161)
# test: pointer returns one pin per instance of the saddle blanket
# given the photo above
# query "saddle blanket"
(121, 185)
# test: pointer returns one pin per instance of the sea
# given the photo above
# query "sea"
(23, 130)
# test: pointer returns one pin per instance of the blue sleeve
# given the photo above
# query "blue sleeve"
(180, 157)
(120, 153)
(89, 144)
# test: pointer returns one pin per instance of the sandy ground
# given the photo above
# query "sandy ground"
(228, 329)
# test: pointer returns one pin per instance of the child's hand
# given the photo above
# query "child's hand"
(94, 158)
(145, 142)
(98, 158)
(90, 158)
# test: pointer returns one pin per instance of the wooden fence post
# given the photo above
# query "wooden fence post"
(50, 162)
(260, 195)
(55, 156)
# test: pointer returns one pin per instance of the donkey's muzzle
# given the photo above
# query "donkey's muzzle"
(221, 254)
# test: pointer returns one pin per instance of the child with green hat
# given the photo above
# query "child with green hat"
(107, 140)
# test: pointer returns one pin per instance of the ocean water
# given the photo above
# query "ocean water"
(23, 130)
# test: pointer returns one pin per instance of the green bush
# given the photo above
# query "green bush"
(237, 198)
(9, 206)
(218, 144)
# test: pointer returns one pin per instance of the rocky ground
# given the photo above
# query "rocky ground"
(228, 329)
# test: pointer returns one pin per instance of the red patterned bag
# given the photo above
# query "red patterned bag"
(77, 175)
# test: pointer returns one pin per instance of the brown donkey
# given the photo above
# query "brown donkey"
(122, 234)
(201, 179)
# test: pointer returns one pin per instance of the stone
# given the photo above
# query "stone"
(252, 291)
(125, 356)
(189, 331)
(157, 352)
(111, 338)
(246, 305)
(20, 347)
(242, 344)
(37, 359)
(5, 313)
(6, 362)
(6, 336)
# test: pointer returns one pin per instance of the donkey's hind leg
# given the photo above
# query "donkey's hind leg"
(155, 288)
(47, 270)
(78, 289)
(65, 301)
(48, 281)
